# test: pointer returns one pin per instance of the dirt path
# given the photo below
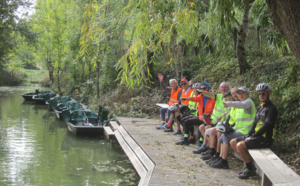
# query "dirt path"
(177, 165)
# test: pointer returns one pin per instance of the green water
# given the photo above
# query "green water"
(37, 149)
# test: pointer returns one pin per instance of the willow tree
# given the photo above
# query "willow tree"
(160, 28)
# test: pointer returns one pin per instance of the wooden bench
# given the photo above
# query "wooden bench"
(162, 105)
(272, 169)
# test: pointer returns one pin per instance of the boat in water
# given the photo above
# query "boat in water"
(88, 122)
(43, 97)
(29, 95)
(59, 103)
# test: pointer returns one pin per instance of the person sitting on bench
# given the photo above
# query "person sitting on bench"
(261, 134)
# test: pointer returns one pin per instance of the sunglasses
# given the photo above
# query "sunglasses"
(261, 94)
(204, 88)
(183, 83)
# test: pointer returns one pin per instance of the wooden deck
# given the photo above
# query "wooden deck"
(167, 163)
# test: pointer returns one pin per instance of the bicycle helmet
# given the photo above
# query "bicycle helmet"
(173, 108)
(206, 84)
(196, 85)
(221, 127)
(184, 109)
(227, 94)
(263, 86)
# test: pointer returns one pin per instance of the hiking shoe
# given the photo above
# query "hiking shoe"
(191, 140)
(213, 159)
(247, 173)
(207, 156)
(221, 164)
(241, 172)
(182, 142)
(203, 148)
(177, 132)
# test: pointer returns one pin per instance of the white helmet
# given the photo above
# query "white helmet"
(263, 86)
(173, 108)
(196, 85)
(221, 127)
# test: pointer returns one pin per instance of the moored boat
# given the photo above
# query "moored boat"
(43, 97)
(28, 96)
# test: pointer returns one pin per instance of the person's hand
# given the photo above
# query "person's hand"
(225, 105)
(160, 77)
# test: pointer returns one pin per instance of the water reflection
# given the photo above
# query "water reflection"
(37, 149)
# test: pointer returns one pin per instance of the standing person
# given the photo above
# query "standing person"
(205, 106)
(175, 92)
(262, 132)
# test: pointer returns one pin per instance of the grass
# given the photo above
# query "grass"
(34, 76)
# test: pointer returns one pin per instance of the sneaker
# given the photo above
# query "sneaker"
(165, 127)
(177, 132)
(207, 156)
(206, 152)
(199, 144)
(191, 141)
(159, 127)
(169, 130)
(182, 142)
(203, 148)
(247, 173)
(220, 164)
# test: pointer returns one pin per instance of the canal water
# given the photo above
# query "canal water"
(37, 149)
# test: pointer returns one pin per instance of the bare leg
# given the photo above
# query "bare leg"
(243, 152)
(218, 143)
(233, 144)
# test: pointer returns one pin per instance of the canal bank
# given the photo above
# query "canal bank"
(172, 164)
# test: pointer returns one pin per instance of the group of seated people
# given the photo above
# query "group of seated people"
(227, 119)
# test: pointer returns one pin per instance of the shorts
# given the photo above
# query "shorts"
(227, 137)
(207, 131)
(256, 142)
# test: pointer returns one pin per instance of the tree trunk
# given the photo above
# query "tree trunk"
(97, 80)
(285, 14)
(258, 37)
(241, 38)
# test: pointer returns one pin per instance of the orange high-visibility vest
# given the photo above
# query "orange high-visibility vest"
(186, 94)
(174, 96)
(209, 106)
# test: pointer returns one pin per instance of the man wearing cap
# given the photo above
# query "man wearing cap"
(205, 106)
(174, 98)
(185, 93)
(262, 132)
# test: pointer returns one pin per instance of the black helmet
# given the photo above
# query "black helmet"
(183, 109)
(227, 94)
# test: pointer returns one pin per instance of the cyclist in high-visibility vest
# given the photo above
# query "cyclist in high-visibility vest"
(175, 92)
(217, 114)
(261, 134)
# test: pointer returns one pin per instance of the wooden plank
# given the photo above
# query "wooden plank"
(109, 134)
(114, 125)
(162, 105)
(137, 149)
(139, 167)
(273, 167)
